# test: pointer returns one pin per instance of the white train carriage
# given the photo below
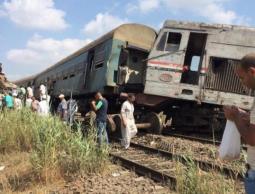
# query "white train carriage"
(191, 71)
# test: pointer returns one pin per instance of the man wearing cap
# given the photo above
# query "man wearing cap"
(62, 108)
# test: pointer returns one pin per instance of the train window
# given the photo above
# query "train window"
(72, 75)
(99, 65)
(218, 64)
(123, 59)
(173, 41)
(91, 59)
(64, 78)
(161, 43)
(195, 63)
(134, 59)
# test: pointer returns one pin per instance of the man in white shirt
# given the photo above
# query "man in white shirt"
(43, 108)
(245, 122)
(128, 128)
(17, 102)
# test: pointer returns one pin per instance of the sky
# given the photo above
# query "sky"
(35, 34)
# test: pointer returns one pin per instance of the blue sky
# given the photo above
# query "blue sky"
(35, 34)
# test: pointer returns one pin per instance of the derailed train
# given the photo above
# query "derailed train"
(186, 72)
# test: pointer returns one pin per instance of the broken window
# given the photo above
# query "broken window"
(173, 41)
(124, 54)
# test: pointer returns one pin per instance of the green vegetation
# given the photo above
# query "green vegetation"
(54, 149)
(192, 180)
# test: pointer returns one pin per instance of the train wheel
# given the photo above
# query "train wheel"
(156, 122)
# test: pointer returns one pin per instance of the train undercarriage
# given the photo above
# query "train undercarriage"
(173, 115)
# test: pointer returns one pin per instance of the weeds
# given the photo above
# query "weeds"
(55, 149)
(192, 180)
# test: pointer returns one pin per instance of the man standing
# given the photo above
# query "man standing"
(128, 128)
(8, 100)
(100, 107)
(62, 108)
(17, 102)
(245, 121)
(43, 106)
(34, 104)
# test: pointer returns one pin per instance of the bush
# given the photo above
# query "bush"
(192, 180)
(54, 146)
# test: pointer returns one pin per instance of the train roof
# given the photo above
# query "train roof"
(137, 35)
(203, 26)
(24, 80)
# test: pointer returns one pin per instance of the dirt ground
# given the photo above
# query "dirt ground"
(16, 177)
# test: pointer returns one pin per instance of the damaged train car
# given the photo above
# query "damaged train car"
(106, 64)
(191, 72)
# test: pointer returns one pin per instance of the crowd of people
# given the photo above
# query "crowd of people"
(17, 99)
(24, 98)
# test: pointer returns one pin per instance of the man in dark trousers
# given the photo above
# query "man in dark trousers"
(245, 121)
(100, 107)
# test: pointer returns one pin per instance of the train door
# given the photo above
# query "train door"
(194, 58)
(132, 67)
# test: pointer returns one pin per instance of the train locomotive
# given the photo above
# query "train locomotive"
(183, 74)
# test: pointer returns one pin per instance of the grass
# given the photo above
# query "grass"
(192, 180)
(54, 149)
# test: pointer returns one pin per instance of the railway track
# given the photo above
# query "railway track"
(149, 164)
(160, 165)
(196, 138)
(193, 138)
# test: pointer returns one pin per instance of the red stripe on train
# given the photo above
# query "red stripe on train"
(204, 69)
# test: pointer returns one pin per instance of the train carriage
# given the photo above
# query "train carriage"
(190, 71)
(95, 67)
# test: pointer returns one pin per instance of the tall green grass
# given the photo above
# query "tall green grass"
(54, 147)
(192, 180)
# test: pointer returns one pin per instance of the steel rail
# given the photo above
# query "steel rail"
(198, 139)
(145, 171)
(202, 164)
(206, 166)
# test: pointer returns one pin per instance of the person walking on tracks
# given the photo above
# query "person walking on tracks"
(245, 121)
(100, 107)
(62, 108)
(128, 128)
